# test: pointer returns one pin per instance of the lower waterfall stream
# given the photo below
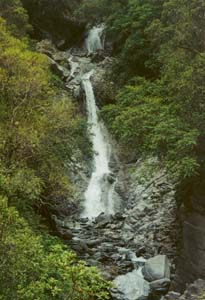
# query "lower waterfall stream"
(98, 197)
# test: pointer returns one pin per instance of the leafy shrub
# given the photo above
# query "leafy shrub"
(38, 267)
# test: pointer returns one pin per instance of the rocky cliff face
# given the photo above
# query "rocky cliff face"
(54, 19)
(192, 259)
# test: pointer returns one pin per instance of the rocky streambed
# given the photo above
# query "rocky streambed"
(121, 245)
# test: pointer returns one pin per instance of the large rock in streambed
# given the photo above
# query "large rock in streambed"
(79, 245)
(59, 70)
(47, 47)
(58, 60)
(102, 220)
(160, 286)
(131, 286)
(156, 268)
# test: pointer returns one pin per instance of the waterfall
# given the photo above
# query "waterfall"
(93, 41)
(98, 197)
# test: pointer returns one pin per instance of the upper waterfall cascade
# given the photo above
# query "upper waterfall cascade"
(94, 41)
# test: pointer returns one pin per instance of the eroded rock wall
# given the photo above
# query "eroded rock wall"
(191, 264)
(54, 19)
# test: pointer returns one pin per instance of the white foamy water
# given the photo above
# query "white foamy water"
(93, 41)
(100, 193)
(74, 66)
(98, 197)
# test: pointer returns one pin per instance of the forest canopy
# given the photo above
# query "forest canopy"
(160, 69)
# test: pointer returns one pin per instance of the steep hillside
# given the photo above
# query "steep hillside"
(40, 129)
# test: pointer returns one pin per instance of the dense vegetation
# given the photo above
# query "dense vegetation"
(40, 129)
(160, 68)
(39, 267)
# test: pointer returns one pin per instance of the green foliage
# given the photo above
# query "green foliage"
(143, 121)
(40, 129)
(35, 267)
(127, 27)
(166, 116)
(98, 10)
(39, 125)
(16, 16)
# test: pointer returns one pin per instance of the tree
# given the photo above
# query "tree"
(165, 116)
(16, 17)
(40, 127)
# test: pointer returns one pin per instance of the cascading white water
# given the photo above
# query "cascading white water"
(93, 41)
(100, 193)
(98, 197)
(74, 66)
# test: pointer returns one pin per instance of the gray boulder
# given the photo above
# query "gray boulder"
(131, 286)
(61, 57)
(102, 220)
(46, 47)
(156, 268)
(59, 70)
(79, 245)
(160, 286)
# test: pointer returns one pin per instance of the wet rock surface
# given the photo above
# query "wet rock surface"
(131, 286)
(156, 268)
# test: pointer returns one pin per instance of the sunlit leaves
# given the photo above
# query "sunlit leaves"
(33, 267)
